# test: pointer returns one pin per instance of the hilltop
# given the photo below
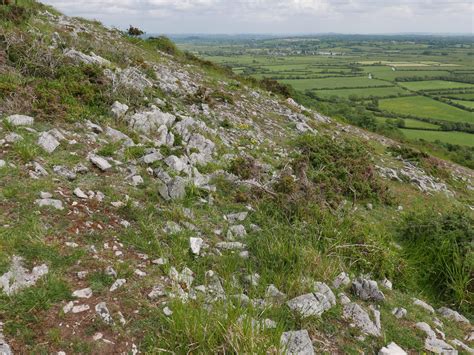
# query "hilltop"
(153, 202)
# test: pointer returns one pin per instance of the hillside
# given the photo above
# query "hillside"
(152, 202)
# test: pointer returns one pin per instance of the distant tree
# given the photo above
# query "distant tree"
(5, 2)
(134, 31)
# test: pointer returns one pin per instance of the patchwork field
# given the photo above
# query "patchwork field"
(426, 107)
(459, 138)
(434, 85)
(401, 75)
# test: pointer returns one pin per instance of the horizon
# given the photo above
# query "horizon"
(288, 17)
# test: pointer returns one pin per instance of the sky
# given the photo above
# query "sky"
(277, 16)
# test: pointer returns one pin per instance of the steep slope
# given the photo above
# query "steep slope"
(150, 202)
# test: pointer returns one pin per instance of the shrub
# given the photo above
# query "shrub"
(164, 44)
(134, 31)
(244, 167)
(329, 170)
(439, 249)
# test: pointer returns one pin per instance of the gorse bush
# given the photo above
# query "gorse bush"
(330, 170)
(439, 249)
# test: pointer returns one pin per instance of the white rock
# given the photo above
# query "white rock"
(296, 343)
(20, 120)
(118, 109)
(80, 308)
(139, 273)
(439, 346)
(175, 163)
(453, 315)
(156, 292)
(309, 304)
(48, 142)
(343, 299)
(322, 288)
(195, 245)
(103, 312)
(341, 280)
(79, 193)
(168, 312)
(392, 349)
(230, 245)
(237, 231)
(460, 344)
(426, 328)
(100, 162)
(117, 284)
(399, 312)
(423, 305)
(48, 202)
(386, 283)
(237, 217)
(2, 163)
(274, 295)
(68, 307)
(361, 319)
(83, 293)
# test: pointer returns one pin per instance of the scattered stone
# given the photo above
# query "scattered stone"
(399, 312)
(94, 127)
(252, 279)
(361, 319)
(117, 284)
(387, 284)
(137, 180)
(453, 315)
(118, 109)
(20, 120)
(322, 288)
(423, 305)
(139, 273)
(84, 293)
(152, 157)
(45, 195)
(68, 307)
(344, 299)
(48, 142)
(439, 346)
(4, 347)
(49, 202)
(150, 121)
(167, 311)
(392, 349)
(18, 278)
(195, 245)
(79, 193)
(160, 261)
(156, 292)
(2, 163)
(103, 312)
(237, 231)
(13, 137)
(367, 290)
(109, 270)
(425, 327)
(341, 280)
(230, 245)
(459, 344)
(296, 343)
(310, 304)
(274, 295)
(64, 172)
(175, 163)
(80, 57)
(100, 162)
(80, 308)
(117, 136)
(175, 189)
(82, 274)
(237, 217)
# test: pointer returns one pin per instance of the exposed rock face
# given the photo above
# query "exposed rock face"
(453, 315)
(20, 120)
(310, 304)
(296, 343)
(367, 290)
(118, 109)
(150, 121)
(361, 319)
(18, 278)
(80, 57)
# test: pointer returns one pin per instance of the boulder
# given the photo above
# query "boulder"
(322, 288)
(361, 319)
(310, 304)
(296, 343)
(20, 120)
(175, 189)
(48, 142)
(117, 136)
(392, 349)
(118, 109)
(100, 162)
(150, 121)
(453, 315)
(367, 290)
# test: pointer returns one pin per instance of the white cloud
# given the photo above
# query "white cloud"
(219, 16)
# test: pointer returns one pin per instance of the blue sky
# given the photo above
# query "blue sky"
(278, 16)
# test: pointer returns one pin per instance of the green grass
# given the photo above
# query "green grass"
(468, 104)
(421, 106)
(434, 85)
(333, 83)
(409, 123)
(459, 138)
(362, 93)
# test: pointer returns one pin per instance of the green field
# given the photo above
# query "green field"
(425, 107)
(434, 85)
(460, 138)
(362, 93)
(409, 123)
(334, 83)
(468, 104)
(387, 73)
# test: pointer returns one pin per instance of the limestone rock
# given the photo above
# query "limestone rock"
(64, 172)
(84, 293)
(296, 343)
(49, 202)
(367, 290)
(4, 347)
(439, 346)
(274, 295)
(392, 349)
(48, 142)
(399, 312)
(322, 288)
(453, 315)
(100, 162)
(175, 189)
(150, 121)
(361, 319)
(18, 278)
(118, 109)
(20, 120)
(423, 305)
(80, 57)
(310, 304)
(117, 284)
(103, 312)
(341, 280)
(195, 245)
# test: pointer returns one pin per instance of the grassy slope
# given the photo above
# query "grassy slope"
(297, 243)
